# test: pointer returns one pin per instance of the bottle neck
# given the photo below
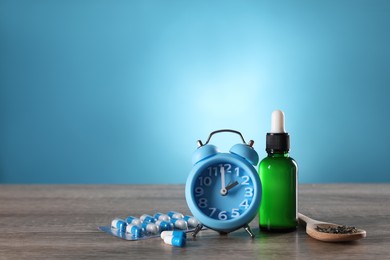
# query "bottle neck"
(279, 154)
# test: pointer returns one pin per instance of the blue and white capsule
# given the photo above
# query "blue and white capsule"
(135, 230)
(163, 225)
(174, 214)
(119, 224)
(150, 228)
(179, 223)
(147, 218)
(175, 241)
(174, 233)
(191, 221)
(133, 220)
(162, 216)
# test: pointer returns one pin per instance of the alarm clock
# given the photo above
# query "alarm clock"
(223, 190)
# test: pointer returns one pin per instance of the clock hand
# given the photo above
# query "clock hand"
(230, 186)
(223, 188)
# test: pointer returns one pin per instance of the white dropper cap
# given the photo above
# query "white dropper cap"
(277, 122)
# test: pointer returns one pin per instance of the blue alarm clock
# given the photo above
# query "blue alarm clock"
(223, 190)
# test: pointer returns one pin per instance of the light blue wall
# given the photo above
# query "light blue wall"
(119, 91)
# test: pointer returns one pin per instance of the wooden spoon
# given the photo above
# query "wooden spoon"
(311, 230)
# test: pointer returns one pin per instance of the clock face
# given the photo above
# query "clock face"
(223, 191)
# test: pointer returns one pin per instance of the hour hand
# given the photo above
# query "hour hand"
(227, 188)
(230, 186)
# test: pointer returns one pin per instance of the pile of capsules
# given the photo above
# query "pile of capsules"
(170, 226)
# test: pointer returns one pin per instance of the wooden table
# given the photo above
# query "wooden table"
(60, 221)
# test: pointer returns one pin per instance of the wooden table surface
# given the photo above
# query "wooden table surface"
(60, 221)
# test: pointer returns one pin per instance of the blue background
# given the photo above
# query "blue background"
(119, 91)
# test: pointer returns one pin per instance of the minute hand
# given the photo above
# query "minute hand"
(223, 188)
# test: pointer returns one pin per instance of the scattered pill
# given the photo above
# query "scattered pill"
(163, 225)
(161, 216)
(174, 233)
(147, 218)
(150, 227)
(133, 220)
(175, 241)
(174, 214)
(134, 230)
(179, 223)
(191, 221)
(119, 224)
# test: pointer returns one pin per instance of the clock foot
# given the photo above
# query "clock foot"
(197, 229)
(249, 231)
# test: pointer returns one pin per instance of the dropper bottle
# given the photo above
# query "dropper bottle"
(278, 174)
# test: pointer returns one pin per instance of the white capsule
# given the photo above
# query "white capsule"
(174, 233)
(134, 230)
(147, 218)
(163, 225)
(179, 223)
(119, 224)
(174, 214)
(175, 241)
(133, 220)
(191, 221)
(150, 227)
(161, 216)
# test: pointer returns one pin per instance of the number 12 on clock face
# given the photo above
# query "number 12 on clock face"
(223, 191)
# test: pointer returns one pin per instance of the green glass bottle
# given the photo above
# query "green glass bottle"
(278, 174)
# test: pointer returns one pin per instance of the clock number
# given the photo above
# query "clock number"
(202, 203)
(227, 166)
(213, 170)
(237, 170)
(244, 203)
(248, 192)
(235, 213)
(246, 180)
(199, 191)
(222, 215)
(205, 181)
(212, 211)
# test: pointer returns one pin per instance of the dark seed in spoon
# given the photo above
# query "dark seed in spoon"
(337, 230)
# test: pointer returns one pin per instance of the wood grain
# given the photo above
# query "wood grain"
(60, 221)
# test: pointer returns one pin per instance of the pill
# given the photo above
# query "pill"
(163, 225)
(179, 223)
(161, 216)
(150, 227)
(147, 218)
(175, 241)
(191, 221)
(174, 233)
(133, 220)
(134, 230)
(174, 214)
(119, 224)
